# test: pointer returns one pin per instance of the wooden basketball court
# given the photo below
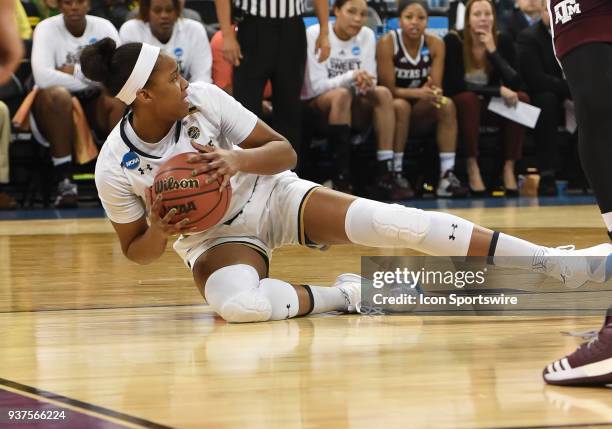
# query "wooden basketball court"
(114, 344)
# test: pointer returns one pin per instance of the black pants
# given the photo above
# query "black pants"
(545, 132)
(588, 69)
(273, 49)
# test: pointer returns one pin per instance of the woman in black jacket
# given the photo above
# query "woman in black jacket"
(480, 64)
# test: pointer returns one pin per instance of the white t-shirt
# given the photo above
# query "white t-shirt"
(123, 175)
(188, 45)
(346, 56)
(54, 46)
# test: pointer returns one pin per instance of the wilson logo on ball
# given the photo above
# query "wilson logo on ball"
(170, 184)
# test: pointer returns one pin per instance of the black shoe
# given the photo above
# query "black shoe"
(478, 194)
(450, 186)
(389, 189)
(512, 193)
(403, 183)
(7, 202)
(547, 187)
(67, 195)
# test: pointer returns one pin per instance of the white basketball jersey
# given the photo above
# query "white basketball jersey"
(127, 166)
(188, 45)
(345, 57)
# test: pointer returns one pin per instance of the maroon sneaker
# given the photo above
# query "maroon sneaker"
(389, 189)
(589, 365)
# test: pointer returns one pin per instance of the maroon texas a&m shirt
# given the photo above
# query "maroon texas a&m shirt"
(576, 22)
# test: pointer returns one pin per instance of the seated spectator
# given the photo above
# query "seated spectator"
(525, 14)
(185, 12)
(25, 29)
(547, 89)
(159, 24)
(410, 64)
(223, 73)
(47, 8)
(480, 64)
(10, 90)
(343, 88)
(116, 11)
(56, 48)
(6, 201)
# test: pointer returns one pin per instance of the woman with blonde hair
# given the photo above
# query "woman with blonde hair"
(481, 64)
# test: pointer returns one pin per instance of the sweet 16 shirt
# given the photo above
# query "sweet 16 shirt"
(54, 46)
(123, 175)
(346, 56)
(188, 45)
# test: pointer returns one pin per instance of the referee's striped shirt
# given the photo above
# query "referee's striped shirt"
(271, 8)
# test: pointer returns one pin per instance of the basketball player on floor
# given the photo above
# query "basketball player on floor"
(582, 33)
(270, 206)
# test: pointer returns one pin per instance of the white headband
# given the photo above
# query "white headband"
(140, 74)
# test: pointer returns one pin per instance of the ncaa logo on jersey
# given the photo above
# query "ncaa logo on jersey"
(178, 52)
(565, 10)
(193, 132)
(92, 40)
(130, 161)
(356, 50)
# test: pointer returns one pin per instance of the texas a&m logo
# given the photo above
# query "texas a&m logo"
(565, 10)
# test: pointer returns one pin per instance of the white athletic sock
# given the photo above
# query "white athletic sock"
(62, 160)
(398, 162)
(513, 252)
(326, 299)
(447, 162)
(384, 155)
(508, 245)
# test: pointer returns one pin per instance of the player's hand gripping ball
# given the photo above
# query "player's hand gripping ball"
(202, 203)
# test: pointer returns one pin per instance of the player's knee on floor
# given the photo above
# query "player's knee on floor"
(233, 292)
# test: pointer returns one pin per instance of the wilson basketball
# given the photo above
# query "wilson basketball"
(192, 197)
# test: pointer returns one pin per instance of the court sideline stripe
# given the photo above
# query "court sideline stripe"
(82, 405)
(103, 308)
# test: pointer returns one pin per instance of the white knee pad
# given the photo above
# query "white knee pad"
(372, 223)
(233, 292)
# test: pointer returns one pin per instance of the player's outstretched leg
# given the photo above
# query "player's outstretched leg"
(332, 218)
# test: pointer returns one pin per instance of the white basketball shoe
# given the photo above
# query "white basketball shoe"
(350, 286)
(576, 267)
